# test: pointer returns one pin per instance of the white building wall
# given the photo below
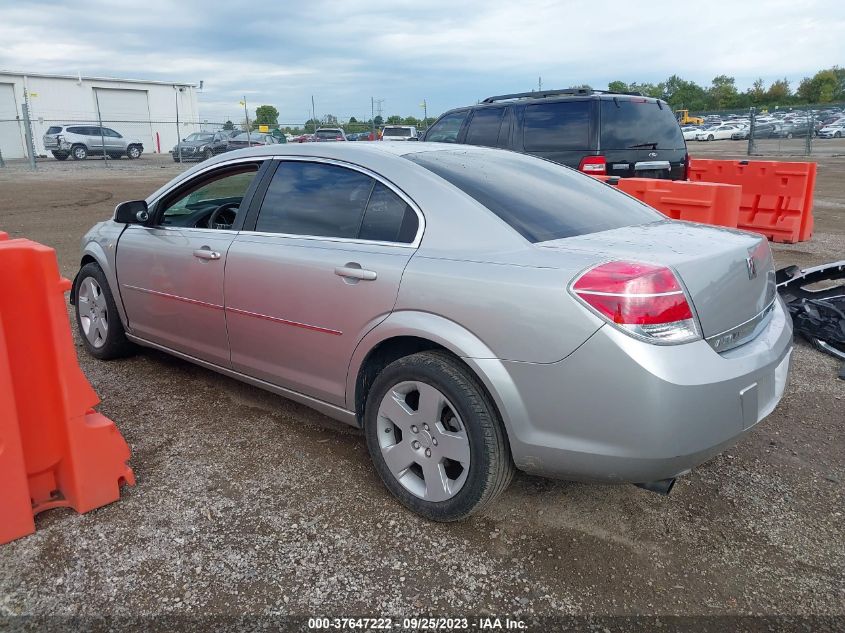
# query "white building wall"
(149, 113)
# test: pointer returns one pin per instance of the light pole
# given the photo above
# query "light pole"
(246, 116)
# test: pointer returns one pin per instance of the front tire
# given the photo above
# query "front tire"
(207, 154)
(60, 155)
(97, 317)
(709, 137)
(435, 437)
(79, 152)
(837, 135)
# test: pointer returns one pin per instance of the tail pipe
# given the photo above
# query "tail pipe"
(661, 487)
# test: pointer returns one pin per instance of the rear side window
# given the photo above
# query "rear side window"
(484, 127)
(447, 128)
(639, 124)
(53, 129)
(78, 130)
(556, 127)
(315, 199)
(539, 199)
(388, 218)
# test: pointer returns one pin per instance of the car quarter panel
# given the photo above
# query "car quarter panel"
(620, 409)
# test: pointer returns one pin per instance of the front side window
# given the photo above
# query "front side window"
(484, 127)
(321, 200)
(210, 201)
(447, 128)
(557, 127)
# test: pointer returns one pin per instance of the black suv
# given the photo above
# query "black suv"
(598, 132)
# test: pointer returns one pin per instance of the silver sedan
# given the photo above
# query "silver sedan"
(473, 310)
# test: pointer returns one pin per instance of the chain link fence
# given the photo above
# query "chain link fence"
(58, 138)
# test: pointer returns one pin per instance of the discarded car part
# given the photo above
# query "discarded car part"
(55, 450)
(817, 314)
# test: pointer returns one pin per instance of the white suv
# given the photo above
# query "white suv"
(78, 141)
(399, 133)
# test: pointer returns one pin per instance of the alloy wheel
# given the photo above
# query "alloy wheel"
(93, 312)
(423, 441)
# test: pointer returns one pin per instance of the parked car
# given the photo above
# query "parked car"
(329, 134)
(791, 129)
(251, 139)
(399, 133)
(716, 133)
(594, 131)
(690, 132)
(80, 141)
(761, 130)
(473, 310)
(833, 130)
(200, 146)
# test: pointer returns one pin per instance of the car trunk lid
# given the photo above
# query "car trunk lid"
(729, 274)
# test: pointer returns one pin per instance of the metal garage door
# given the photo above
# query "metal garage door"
(127, 112)
(11, 142)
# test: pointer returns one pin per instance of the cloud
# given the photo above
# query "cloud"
(450, 53)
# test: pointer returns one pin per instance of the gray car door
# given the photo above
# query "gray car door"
(171, 271)
(320, 269)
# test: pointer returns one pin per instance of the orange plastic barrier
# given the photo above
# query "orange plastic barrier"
(55, 450)
(777, 197)
(709, 203)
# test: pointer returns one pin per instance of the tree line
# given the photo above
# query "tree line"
(826, 86)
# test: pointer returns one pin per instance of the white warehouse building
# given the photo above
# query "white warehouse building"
(146, 110)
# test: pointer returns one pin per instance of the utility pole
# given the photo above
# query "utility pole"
(372, 119)
(246, 116)
(539, 84)
(424, 105)
(313, 114)
(102, 133)
(178, 133)
(30, 145)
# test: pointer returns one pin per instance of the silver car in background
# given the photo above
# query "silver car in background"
(81, 141)
(473, 310)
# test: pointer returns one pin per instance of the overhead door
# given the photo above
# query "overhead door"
(126, 112)
(11, 141)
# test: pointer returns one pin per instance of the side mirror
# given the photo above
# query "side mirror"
(132, 212)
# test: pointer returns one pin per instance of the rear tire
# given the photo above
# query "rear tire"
(97, 318)
(79, 152)
(133, 152)
(463, 425)
(60, 155)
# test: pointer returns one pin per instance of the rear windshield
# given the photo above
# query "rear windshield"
(638, 124)
(54, 129)
(397, 131)
(539, 199)
(328, 133)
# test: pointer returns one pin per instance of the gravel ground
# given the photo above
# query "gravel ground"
(248, 504)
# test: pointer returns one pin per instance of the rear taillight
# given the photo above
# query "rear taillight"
(593, 165)
(643, 300)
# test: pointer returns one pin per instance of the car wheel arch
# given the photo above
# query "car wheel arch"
(94, 253)
(411, 331)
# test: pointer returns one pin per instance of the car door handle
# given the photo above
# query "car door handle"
(206, 253)
(353, 272)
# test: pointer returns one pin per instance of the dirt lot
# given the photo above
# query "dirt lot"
(249, 504)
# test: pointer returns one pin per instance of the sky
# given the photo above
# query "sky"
(446, 52)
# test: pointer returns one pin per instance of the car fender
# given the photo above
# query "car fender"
(105, 258)
(455, 338)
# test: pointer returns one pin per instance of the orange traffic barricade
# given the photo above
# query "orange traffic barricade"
(777, 197)
(55, 450)
(708, 203)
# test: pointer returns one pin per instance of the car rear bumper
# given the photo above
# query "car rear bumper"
(621, 410)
